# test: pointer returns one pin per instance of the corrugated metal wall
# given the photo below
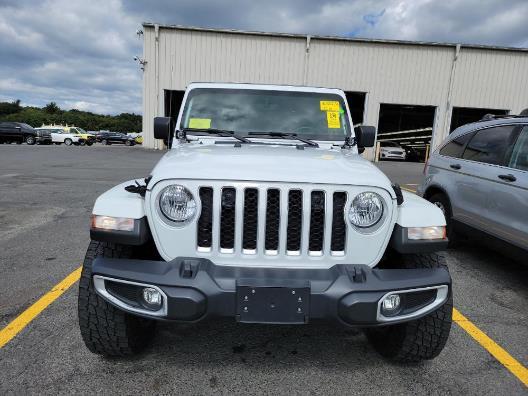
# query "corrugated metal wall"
(387, 72)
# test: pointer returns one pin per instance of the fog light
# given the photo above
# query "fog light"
(390, 304)
(152, 296)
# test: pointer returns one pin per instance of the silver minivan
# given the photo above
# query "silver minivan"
(479, 178)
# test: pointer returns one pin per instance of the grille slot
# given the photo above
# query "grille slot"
(317, 223)
(294, 230)
(205, 222)
(271, 243)
(227, 219)
(250, 225)
(338, 223)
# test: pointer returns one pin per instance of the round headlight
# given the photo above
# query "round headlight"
(366, 209)
(177, 203)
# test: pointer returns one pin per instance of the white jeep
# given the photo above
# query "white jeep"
(264, 211)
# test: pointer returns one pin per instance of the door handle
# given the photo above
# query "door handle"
(508, 177)
(455, 166)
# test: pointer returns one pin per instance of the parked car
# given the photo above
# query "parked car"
(413, 155)
(391, 150)
(479, 178)
(268, 215)
(138, 137)
(17, 132)
(88, 138)
(84, 138)
(43, 136)
(60, 136)
(115, 137)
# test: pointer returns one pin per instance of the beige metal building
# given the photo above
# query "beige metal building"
(414, 92)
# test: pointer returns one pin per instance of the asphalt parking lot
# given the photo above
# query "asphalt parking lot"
(46, 196)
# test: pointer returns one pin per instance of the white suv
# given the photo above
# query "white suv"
(263, 211)
(60, 136)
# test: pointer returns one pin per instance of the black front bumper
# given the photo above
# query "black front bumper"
(196, 289)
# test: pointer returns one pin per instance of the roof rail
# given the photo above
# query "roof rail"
(489, 117)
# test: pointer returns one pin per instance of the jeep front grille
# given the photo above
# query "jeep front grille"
(275, 220)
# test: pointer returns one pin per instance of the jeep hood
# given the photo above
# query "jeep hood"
(269, 163)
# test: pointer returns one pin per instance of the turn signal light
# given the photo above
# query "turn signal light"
(112, 223)
(427, 233)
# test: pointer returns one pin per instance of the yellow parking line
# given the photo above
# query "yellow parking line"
(20, 322)
(508, 361)
(408, 189)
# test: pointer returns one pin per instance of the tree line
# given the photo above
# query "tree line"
(53, 114)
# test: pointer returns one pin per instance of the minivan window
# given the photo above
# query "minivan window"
(489, 145)
(519, 157)
(455, 147)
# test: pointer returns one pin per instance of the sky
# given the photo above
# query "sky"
(80, 54)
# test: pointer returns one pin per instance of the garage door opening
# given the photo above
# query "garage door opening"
(465, 115)
(404, 132)
(356, 104)
(173, 101)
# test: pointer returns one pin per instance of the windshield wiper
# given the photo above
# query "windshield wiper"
(285, 135)
(219, 132)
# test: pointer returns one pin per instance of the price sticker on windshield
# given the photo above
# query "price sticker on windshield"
(332, 119)
(329, 105)
(200, 123)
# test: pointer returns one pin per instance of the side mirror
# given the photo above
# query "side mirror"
(162, 126)
(365, 135)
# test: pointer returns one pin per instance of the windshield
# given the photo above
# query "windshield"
(310, 115)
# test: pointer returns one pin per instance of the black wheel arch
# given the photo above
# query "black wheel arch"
(435, 189)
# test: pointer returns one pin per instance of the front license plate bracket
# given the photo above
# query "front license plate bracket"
(271, 304)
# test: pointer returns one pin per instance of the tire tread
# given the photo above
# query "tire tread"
(420, 339)
(105, 329)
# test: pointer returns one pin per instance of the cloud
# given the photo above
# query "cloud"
(74, 53)
(80, 53)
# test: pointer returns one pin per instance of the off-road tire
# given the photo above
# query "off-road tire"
(68, 142)
(420, 339)
(442, 201)
(105, 329)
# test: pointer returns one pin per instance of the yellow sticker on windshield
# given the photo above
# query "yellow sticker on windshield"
(329, 105)
(200, 123)
(332, 118)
